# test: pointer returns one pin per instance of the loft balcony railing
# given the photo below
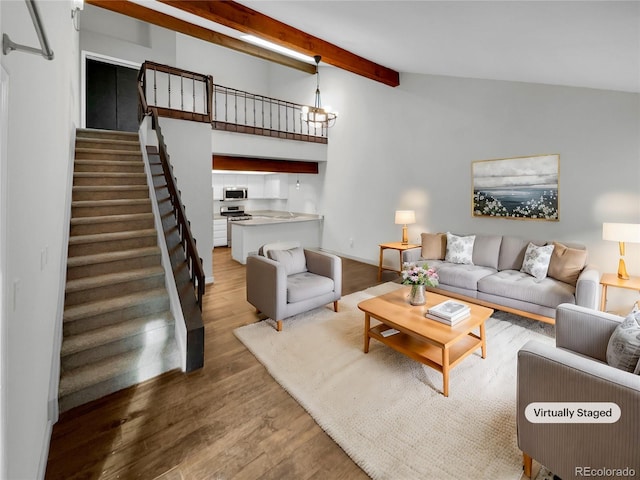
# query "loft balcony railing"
(178, 93)
(243, 112)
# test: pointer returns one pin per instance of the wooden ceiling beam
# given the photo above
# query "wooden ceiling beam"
(167, 21)
(253, 164)
(238, 17)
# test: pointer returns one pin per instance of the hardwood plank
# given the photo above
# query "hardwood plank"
(229, 419)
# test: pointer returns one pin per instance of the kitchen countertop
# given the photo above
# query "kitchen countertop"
(270, 217)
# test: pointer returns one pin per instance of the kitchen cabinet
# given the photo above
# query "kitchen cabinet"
(255, 184)
(217, 182)
(219, 232)
(260, 186)
(276, 185)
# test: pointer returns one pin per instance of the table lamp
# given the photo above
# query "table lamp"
(621, 232)
(404, 217)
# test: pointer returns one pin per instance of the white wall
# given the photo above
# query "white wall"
(411, 147)
(42, 112)
(189, 146)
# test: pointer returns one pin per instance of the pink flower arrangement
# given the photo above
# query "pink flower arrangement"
(415, 274)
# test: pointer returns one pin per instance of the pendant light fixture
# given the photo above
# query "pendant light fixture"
(316, 116)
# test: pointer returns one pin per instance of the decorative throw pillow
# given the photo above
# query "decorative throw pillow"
(434, 246)
(293, 259)
(623, 350)
(536, 260)
(566, 263)
(460, 249)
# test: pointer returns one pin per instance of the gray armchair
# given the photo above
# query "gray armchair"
(576, 371)
(282, 287)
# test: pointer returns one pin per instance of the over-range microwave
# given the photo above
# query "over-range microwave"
(234, 193)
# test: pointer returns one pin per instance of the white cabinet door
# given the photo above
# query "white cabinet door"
(217, 182)
(220, 232)
(271, 186)
(256, 186)
(283, 185)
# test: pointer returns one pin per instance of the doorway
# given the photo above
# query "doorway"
(111, 93)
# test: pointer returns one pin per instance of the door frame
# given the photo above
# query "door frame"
(4, 310)
(86, 55)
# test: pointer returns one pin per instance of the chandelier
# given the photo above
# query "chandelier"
(317, 116)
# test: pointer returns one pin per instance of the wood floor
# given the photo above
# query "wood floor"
(228, 420)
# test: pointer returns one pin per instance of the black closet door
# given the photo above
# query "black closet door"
(112, 100)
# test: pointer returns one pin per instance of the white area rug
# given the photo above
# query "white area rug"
(386, 410)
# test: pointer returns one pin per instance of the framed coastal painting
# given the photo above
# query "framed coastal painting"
(521, 188)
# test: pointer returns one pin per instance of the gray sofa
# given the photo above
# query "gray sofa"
(576, 370)
(495, 280)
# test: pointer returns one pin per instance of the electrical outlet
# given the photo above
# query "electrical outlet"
(351, 242)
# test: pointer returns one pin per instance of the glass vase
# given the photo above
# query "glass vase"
(417, 295)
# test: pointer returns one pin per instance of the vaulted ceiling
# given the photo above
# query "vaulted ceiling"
(594, 44)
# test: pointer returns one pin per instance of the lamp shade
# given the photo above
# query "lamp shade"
(404, 217)
(621, 232)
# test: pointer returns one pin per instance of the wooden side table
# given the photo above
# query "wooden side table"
(612, 280)
(400, 247)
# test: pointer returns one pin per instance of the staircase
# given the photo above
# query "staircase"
(118, 329)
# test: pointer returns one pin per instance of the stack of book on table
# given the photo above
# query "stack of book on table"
(449, 312)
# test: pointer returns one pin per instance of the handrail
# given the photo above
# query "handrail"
(8, 45)
(194, 262)
(244, 112)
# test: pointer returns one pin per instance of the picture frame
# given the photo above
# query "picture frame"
(518, 188)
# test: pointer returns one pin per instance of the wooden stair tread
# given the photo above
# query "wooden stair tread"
(112, 256)
(111, 333)
(96, 281)
(113, 203)
(101, 131)
(110, 218)
(112, 236)
(109, 175)
(108, 188)
(82, 310)
(123, 163)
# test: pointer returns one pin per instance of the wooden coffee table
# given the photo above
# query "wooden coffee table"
(435, 344)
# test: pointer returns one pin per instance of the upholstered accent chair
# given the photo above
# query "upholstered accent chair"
(285, 280)
(576, 370)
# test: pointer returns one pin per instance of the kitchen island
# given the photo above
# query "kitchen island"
(269, 226)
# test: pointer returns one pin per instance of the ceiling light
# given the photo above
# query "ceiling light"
(317, 116)
(276, 48)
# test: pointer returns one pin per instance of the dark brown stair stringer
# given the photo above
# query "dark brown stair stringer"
(188, 303)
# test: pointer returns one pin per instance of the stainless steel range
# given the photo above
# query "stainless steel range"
(233, 213)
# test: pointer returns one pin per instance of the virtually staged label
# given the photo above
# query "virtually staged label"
(572, 412)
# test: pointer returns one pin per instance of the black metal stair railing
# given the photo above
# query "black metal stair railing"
(194, 262)
(243, 112)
